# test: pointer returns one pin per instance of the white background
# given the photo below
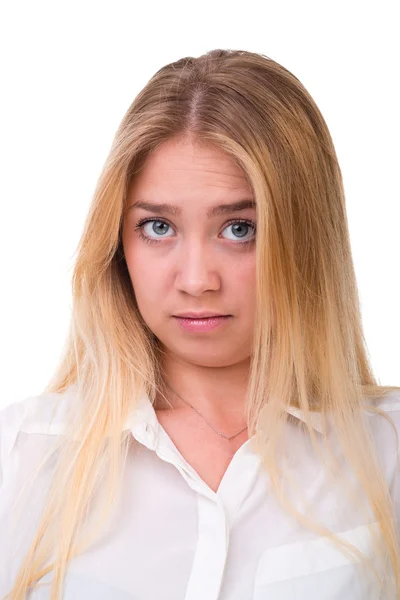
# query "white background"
(69, 71)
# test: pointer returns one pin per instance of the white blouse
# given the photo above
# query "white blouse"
(172, 538)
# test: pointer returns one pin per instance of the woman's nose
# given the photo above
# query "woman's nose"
(197, 269)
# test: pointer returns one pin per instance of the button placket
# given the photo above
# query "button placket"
(211, 552)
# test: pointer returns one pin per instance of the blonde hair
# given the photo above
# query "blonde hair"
(314, 357)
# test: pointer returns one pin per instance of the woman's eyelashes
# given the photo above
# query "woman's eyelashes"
(159, 228)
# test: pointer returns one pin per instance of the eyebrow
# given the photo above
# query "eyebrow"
(175, 211)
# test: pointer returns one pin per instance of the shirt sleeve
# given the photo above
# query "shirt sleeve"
(391, 406)
(11, 419)
(397, 472)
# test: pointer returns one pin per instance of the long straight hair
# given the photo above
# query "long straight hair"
(308, 349)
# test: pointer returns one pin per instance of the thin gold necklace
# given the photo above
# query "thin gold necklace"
(209, 424)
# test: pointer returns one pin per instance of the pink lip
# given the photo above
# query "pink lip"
(201, 325)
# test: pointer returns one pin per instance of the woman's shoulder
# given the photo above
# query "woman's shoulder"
(390, 400)
(384, 408)
(36, 414)
(384, 418)
(389, 403)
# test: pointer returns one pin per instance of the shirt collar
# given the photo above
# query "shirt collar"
(144, 417)
(315, 417)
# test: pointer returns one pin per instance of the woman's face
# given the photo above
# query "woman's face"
(188, 259)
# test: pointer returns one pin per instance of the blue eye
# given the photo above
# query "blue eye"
(241, 228)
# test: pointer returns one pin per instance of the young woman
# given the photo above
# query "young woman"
(214, 429)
